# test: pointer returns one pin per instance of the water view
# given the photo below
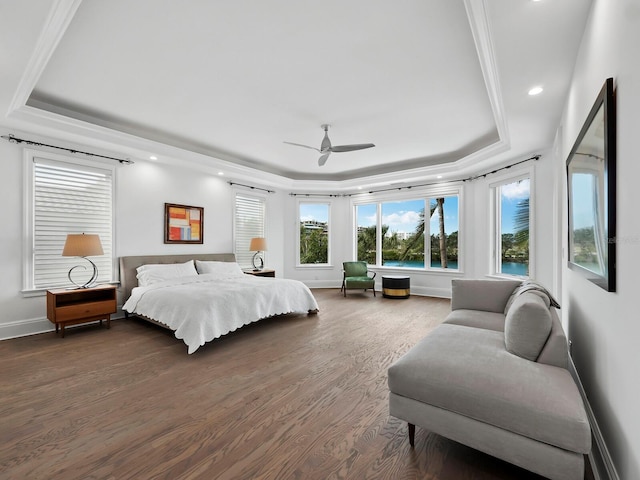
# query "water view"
(508, 268)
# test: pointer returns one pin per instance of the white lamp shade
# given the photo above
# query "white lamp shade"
(82, 245)
(258, 244)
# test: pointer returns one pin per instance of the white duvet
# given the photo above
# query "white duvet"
(200, 308)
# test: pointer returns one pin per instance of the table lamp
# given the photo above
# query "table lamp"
(83, 245)
(257, 245)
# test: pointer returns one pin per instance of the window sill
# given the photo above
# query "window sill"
(505, 276)
(317, 266)
(34, 293)
(41, 292)
(419, 271)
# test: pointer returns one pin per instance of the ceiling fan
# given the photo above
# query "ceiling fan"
(326, 149)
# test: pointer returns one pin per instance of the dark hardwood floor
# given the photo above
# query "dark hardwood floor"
(300, 397)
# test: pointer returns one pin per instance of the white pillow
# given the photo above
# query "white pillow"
(221, 269)
(150, 274)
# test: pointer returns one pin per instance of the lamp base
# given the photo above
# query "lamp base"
(260, 265)
(90, 282)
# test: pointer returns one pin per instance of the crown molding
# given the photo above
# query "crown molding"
(60, 16)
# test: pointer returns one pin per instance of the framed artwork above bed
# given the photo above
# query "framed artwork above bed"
(183, 223)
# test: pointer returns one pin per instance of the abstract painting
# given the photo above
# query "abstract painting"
(183, 223)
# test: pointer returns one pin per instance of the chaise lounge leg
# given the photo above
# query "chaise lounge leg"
(412, 434)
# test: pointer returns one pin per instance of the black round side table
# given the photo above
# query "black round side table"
(396, 286)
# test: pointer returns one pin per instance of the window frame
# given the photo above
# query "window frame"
(28, 251)
(329, 204)
(426, 195)
(495, 232)
(263, 200)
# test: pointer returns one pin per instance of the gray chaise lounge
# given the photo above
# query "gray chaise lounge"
(497, 383)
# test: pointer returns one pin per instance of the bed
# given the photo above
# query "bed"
(202, 297)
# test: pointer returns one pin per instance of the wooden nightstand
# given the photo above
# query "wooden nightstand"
(265, 272)
(71, 307)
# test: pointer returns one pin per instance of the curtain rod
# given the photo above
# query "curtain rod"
(468, 179)
(13, 139)
(408, 187)
(534, 157)
(252, 187)
(319, 195)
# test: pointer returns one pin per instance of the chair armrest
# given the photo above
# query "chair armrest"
(484, 295)
(374, 273)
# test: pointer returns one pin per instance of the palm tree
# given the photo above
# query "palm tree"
(521, 221)
(443, 239)
(418, 235)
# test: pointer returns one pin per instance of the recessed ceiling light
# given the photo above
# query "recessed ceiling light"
(439, 176)
(359, 188)
(535, 91)
(220, 173)
(153, 157)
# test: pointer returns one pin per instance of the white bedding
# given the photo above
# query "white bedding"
(203, 307)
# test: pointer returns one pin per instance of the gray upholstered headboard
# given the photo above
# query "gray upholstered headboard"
(128, 265)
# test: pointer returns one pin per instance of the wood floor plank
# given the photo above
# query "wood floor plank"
(291, 397)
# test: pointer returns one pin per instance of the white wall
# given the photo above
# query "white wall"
(604, 327)
(141, 192)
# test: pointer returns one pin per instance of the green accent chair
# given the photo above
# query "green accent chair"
(355, 275)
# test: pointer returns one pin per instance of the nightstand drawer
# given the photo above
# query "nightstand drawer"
(83, 310)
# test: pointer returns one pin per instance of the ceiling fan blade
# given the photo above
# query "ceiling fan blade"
(300, 145)
(326, 143)
(351, 148)
(323, 159)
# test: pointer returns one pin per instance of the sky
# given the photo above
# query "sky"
(511, 194)
(582, 200)
(314, 211)
(404, 216)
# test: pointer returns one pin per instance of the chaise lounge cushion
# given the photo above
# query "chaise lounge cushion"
(527, 326)
(467, 371)
(477, 318)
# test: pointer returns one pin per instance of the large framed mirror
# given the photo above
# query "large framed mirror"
(591, 179)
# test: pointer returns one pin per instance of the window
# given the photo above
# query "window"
(64, 197)
(249, 215)
(314, 233)
(512, 221)
(394, 233)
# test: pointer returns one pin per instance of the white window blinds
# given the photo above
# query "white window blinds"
(69, 198)
(248, 223)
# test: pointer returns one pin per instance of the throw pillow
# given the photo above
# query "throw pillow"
(527, 326)
(154, 273)
(221, 269)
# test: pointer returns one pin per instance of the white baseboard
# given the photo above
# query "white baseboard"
(22, 328)
(431, 292)
(321, 283)
(599, 456)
